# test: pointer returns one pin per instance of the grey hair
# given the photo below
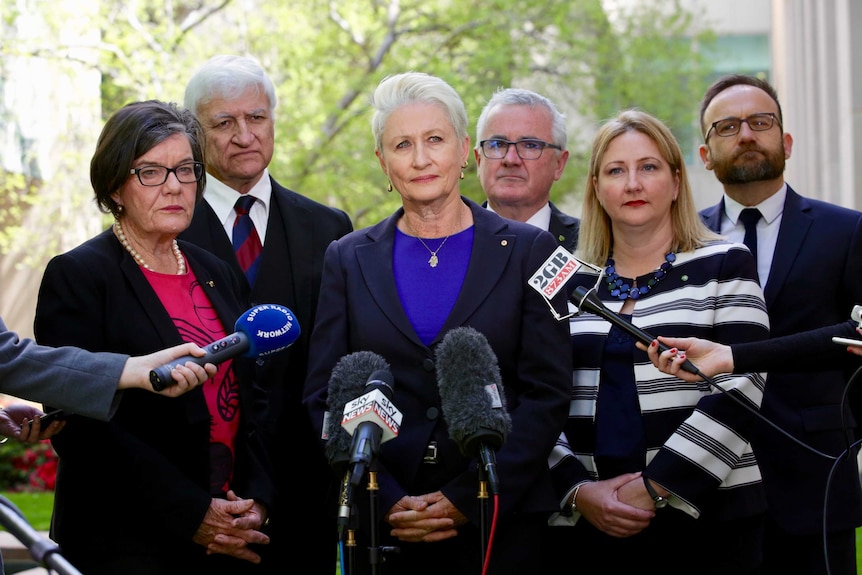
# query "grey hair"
(227, 76)
(415, 88)
(523, 97)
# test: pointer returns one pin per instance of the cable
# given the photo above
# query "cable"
(590, 302)
(487, 560)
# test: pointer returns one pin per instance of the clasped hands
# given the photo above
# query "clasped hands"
(425, 518)
(619, 507)
(231, 525)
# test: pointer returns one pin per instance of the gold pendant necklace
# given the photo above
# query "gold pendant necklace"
(433, 260)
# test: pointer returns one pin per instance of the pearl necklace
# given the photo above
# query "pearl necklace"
(623, 291)
(181, 262)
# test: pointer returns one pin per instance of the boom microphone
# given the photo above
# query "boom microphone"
(263, 330)
(587, 300)
(472, 398)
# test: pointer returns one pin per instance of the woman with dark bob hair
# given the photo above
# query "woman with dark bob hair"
(183, 489)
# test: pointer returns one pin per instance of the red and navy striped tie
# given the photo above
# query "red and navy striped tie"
(246, 242)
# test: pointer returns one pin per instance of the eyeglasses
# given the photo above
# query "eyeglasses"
(526, 149)
(731, 126)
(187, 173)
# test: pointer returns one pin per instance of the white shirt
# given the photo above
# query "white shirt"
(222, 198)
(541, 219)
(771, 210)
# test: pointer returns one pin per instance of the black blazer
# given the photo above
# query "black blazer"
(360, 310)
(564, 228)
(147, 470)
(815, 280)
(298, 232)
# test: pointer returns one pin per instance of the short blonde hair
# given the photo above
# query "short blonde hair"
(595, 239)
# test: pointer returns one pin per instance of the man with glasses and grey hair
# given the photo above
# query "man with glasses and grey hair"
(521, 152)
(809, 261)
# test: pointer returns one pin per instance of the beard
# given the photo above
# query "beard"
(734, 170)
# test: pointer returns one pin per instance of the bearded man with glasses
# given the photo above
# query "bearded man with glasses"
(809, 259)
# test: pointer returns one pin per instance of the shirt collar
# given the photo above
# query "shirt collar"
(541, 219)
(770, 208)
(222, 197)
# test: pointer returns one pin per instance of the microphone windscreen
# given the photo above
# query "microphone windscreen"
(468, 377)
(346, 383)
(270, 328)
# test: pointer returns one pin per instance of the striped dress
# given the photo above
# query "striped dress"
(696, 435)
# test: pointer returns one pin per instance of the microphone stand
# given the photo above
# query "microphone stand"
(374, 552)
(42, 549)
(483, 512)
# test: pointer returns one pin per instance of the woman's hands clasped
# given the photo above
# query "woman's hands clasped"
(426, 518)
(231, 525)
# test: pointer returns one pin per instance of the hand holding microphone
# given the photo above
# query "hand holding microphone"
(261, 331)
(587, 300)
(472, 397)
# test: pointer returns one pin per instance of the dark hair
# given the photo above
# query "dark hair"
(731, 80)
(131, 132)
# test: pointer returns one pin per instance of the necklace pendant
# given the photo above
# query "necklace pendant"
(433, 261)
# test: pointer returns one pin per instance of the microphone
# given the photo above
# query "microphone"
(587, 300)
(346, 383)
(371, 419)
(472, 398)
(262, 330)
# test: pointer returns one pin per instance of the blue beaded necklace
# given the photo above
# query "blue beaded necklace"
(623, 291)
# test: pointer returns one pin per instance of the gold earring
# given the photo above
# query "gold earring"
(462, 175)
(466, 163)
(389, 187)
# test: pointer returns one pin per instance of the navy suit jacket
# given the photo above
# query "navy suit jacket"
(149, 465)
(360, 310)
(815, 280)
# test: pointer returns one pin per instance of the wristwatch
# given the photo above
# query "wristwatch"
(574, 507)
(660, 502)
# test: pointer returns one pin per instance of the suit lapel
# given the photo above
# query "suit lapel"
(495, 242)
(375, 264)
(795, 223)
(712, 216)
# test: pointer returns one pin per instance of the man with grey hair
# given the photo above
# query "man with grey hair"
(278, 257)
(520, 153)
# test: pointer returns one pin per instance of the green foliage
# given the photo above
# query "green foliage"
(325, 59)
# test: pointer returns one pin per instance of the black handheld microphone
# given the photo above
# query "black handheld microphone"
(472, 397)
(262, 330)
(346, 383)
(371, 419)
(587, 300)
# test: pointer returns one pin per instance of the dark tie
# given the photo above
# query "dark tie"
(246, 242)
(750, 217)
